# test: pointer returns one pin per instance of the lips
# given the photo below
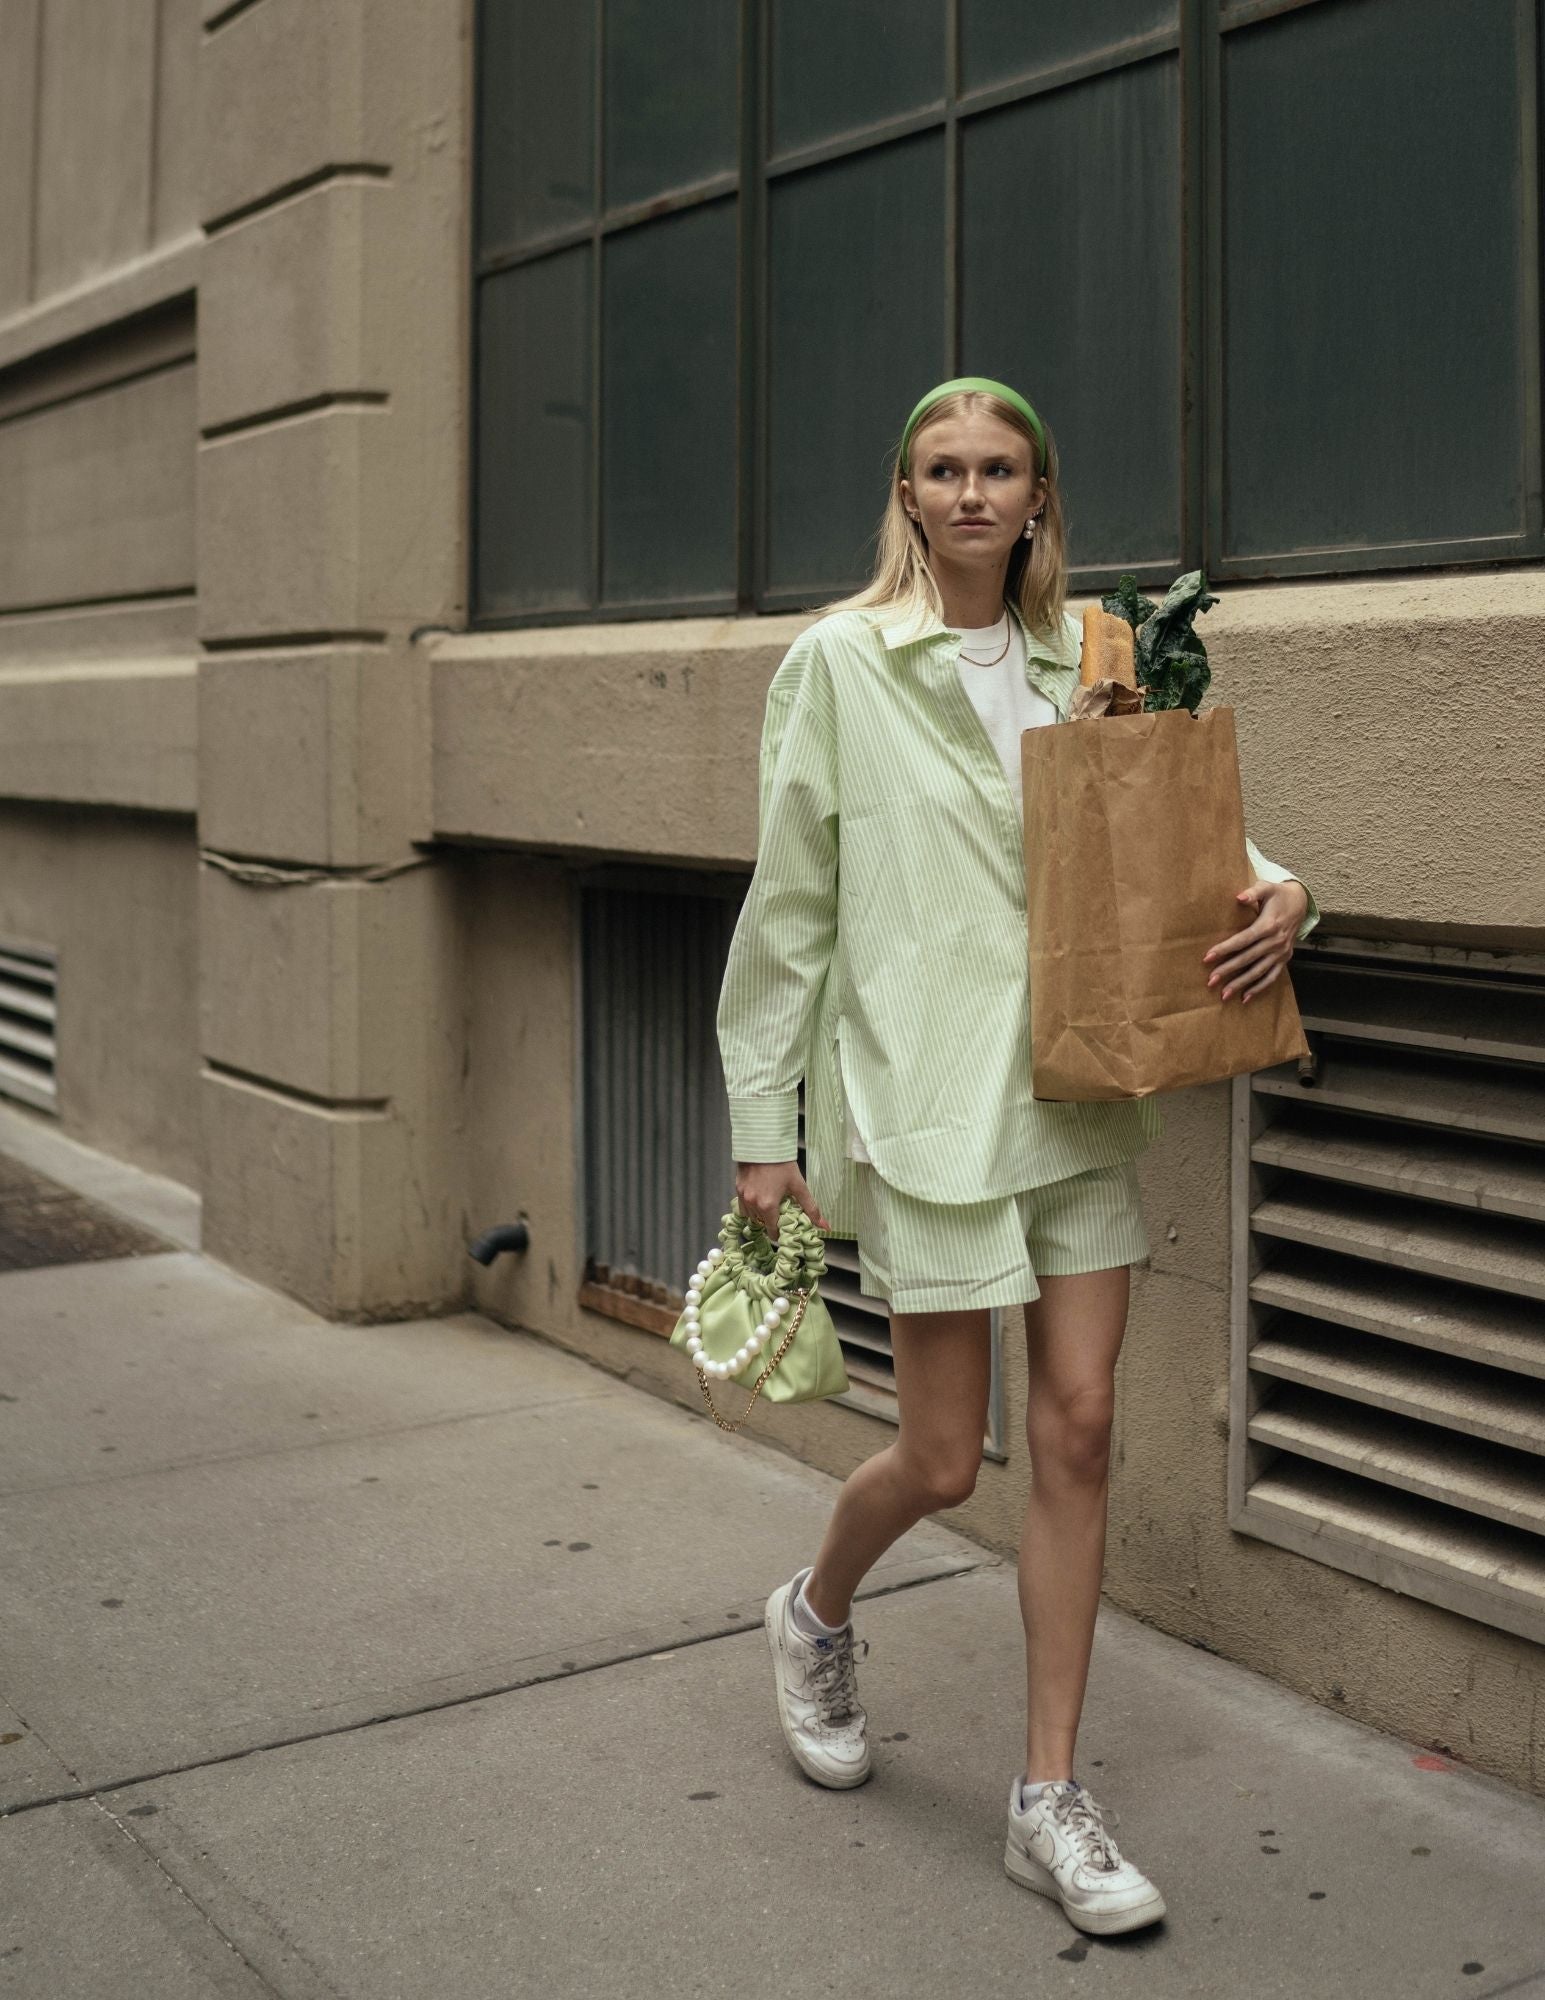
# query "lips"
(970, 524)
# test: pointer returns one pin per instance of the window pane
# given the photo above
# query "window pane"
(837, 67)
(1372, 275)
(668, 408)
(536, 120)
(1084, 316)
(1002, 39)
(856, 333)
(533, 437)
(672, 109)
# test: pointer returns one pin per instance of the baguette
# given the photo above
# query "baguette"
(1109, 649)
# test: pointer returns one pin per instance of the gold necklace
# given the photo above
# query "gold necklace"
(1007, 637)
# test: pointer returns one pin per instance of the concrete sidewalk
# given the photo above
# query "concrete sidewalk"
(425, 1660)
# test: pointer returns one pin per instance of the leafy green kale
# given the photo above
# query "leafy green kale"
(1171, 659)
(1127, 604)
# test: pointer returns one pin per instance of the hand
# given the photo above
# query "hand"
(1256, 954)
(760, 1186)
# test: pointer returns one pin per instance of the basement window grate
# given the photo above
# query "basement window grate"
(1388, 1394)
(28, 1012)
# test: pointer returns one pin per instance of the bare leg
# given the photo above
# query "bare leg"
(943, 1375)
(1074, 1332)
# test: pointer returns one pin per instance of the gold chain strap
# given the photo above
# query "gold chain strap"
(783, 1348)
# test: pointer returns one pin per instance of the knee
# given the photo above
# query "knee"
(1071, 1435)
(947, 1479)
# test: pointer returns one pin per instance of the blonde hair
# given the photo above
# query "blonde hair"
(1037, 577)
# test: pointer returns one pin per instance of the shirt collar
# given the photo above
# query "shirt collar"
(909, 631)
(905, 631)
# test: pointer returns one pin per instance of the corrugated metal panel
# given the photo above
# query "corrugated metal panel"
(28, 1016)
(658, 1171)
(1389, 1392)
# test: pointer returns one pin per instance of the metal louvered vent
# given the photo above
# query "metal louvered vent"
(1389, 1280)
(28, 990)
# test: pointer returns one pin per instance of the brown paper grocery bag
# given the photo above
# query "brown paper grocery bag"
(1134, 855)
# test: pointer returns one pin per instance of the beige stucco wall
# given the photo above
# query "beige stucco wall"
(1380, 750)
(98, 265)
(115, 895)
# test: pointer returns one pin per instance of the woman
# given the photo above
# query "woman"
(881, 955)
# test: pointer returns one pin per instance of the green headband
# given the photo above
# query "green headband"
(986, 382)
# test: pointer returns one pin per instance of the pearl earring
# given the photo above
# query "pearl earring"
(1030, 529)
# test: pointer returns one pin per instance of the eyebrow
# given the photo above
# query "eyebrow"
(991, 458)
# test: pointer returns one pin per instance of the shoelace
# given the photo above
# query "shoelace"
(833, 1678)
(1084, 1822)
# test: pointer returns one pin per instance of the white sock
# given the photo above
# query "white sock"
(1030, 1789)
(806, 1621)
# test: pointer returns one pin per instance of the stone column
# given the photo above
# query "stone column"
(332, 317)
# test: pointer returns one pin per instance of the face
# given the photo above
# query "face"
(970, 487)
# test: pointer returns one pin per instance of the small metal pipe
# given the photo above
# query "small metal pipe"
(506, 1236)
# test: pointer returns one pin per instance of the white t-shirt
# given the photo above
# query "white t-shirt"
(1008, 705)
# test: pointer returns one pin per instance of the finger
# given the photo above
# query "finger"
(1237, 962)
(1259, 986)
(1246, 966)
(1252, 927)
(1258, 976)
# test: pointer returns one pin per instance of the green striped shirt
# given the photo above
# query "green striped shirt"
(882, 950)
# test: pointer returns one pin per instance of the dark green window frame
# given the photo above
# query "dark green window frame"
(1207, 51)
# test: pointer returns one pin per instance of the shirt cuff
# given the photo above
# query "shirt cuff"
(1311, 915)
(765, 1128)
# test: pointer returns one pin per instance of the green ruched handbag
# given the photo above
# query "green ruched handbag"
(750, 1294)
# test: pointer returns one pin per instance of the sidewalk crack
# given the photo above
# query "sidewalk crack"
(219, 1929)
(620, 1650)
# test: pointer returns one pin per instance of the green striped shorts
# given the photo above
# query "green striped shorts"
(928, 1256)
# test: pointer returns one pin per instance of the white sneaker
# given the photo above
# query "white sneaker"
(817, 1694)
(1060, 1847)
